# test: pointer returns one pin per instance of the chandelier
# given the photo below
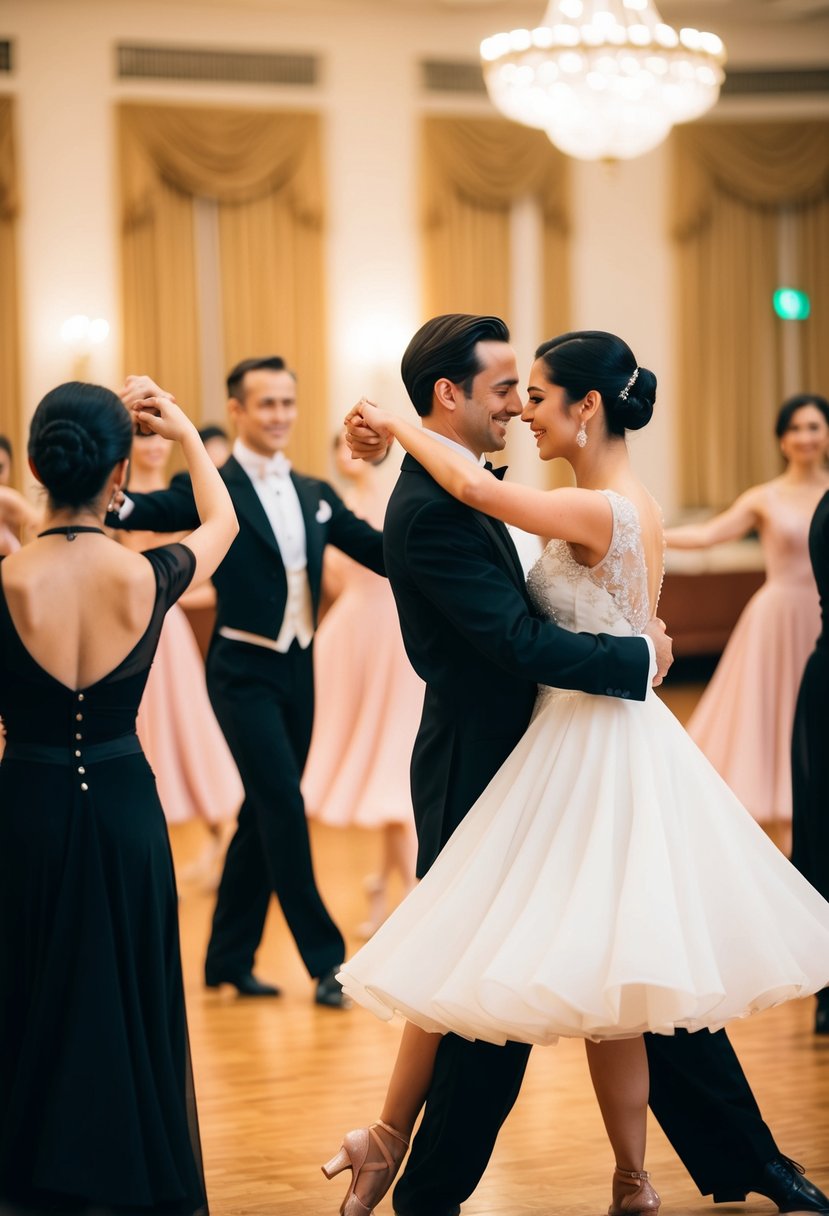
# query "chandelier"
(604, 78)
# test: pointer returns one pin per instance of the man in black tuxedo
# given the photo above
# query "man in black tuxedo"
(259, 668)
(472, 635)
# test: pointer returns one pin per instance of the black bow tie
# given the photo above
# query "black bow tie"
(499, 472)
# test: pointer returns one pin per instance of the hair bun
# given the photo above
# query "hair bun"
(67, 453)
(79, 432)
(636, 409)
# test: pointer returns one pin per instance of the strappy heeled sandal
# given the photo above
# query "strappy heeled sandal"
(632, 1193)
(353, 1155)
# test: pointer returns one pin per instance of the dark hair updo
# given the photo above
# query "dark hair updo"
(792, 404)
(592, 359)
(79, 432)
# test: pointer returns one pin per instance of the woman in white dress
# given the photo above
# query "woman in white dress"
(607, 882)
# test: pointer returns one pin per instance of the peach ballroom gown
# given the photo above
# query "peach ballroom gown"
(8, 541)
(368, 700)
(183, 743)
(195, 772)
(743, 721)
(8, 544)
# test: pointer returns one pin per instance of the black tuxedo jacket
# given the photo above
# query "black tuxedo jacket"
(472, 635)
(251, 583)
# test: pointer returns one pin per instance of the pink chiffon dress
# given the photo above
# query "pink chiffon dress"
(184, 745)
(183, 742)
(8, 541)
(368, 700)
(743, 721)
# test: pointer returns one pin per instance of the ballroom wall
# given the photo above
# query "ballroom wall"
(371, 97)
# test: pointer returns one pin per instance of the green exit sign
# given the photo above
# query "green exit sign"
(790, 304)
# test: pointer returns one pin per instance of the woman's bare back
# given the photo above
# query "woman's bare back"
(79, 607)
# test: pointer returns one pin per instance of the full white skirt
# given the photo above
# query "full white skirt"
(606, 882)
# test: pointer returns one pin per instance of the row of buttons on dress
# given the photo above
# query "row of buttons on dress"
(79, 739)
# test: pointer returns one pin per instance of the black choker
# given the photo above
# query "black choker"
(70, 531)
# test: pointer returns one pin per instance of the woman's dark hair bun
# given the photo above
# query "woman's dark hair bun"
(633, 412)
(79, 432)
(594, 359)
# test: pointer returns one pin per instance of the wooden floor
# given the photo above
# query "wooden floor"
(279, 1081)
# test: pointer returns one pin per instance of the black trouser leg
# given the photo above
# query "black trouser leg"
(474, 1088)
(704, 1104)
(266, 714)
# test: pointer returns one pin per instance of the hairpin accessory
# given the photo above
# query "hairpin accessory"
(581, 436)
(623, 396)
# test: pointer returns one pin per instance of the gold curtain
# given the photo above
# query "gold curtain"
(730, 182)
(473, 171)
(10, 403)
(813, 277)
(264, 170)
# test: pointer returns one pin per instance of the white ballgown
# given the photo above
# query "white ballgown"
(607, 881)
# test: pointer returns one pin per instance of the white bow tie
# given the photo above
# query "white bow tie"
(277, 465)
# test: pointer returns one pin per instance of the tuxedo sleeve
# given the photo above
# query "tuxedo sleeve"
(450, 557)
(170, 510)
(353, 535)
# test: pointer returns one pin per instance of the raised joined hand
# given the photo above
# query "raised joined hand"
(366, 431)
(154, 411)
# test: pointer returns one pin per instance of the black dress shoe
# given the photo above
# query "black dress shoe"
(822, 1012)
(784, 1182)
(456, 1211)
(330, 991)
(246, 984)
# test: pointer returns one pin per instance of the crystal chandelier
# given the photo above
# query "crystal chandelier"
(604, 78)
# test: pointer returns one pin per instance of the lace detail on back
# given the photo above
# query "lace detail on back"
(621, 575)
(622, 571)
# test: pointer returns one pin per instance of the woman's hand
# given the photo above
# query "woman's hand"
(154, 410)
(368, 430)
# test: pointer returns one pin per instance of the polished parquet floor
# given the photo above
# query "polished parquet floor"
(279, 1081)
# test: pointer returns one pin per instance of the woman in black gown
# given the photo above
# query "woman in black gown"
(97, 1112)
(810, 745)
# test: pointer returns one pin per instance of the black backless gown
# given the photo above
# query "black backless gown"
(97, 1111)
(810, 739)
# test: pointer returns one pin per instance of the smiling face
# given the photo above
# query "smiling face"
(150, 453)
(806, 439)
(553, 422)
(481, 414)
(266, 415)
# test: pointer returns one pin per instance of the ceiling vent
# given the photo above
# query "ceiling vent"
(217, 67)
(465, 76)
(5, 55)
(448, 76)
(745, 82)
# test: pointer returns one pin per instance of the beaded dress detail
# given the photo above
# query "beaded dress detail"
(607, 881)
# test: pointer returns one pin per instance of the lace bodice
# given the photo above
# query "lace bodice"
(610, 597)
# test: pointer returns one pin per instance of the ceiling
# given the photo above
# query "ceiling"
(728, 11)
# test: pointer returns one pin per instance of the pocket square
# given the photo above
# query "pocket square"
(323, 512)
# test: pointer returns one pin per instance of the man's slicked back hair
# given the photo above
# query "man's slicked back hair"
(444, 349)
(236, 375)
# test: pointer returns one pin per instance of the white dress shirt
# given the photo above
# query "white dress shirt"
(271, 477)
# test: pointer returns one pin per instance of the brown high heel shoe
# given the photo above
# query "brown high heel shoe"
(353, 1155)
(632, 1192)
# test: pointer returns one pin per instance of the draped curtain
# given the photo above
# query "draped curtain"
(10, 403)
(473, 171)
(730, 183)
(263, 168)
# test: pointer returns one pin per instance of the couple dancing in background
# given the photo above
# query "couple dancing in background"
(606, 883)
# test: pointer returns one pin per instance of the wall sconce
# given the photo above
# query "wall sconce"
(81, 334)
